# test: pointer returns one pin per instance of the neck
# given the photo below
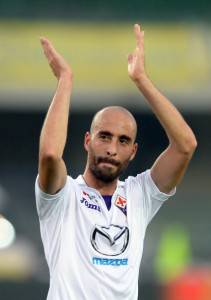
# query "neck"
(103, 188)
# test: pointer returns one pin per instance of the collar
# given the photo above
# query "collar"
(80, 180)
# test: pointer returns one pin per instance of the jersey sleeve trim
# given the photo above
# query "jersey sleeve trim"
(50, 205)
(155, 190)
(46, 196)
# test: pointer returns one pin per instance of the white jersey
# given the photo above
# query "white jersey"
(94, 253)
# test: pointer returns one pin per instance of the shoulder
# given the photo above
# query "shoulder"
(51, 205)
(139, 179)
(144, 182)
(70, 183)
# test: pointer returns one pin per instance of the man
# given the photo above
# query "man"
(93, 227)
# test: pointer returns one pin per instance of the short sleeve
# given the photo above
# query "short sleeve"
(152, 197)
(153, 189)
(48, 204)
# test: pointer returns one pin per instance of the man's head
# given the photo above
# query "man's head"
(111, 142)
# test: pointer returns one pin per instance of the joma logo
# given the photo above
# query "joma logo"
(90, 205)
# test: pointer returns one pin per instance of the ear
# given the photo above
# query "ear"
(87, 139)
(134, 150)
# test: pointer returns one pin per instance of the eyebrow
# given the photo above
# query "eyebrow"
(104, 132)
(108, 133)
(127, 138)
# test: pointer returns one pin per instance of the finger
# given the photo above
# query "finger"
(130, 58)
(44, 42)
(139, 35)
(48, 48)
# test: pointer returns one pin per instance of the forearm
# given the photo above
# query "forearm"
(54, 132)
(169, 168)
(179, 133)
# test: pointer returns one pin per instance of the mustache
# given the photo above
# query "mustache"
(114, 162)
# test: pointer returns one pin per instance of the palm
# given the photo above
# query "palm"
(57, 63)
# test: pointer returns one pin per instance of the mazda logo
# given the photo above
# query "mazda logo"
(111, 240)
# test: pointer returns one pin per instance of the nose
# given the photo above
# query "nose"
(112, 149)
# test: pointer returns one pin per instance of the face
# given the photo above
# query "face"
(110, 146)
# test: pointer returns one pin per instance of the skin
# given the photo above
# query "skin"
(110, 146)
(106, 154)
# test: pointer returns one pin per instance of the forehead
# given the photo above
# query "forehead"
(116, 122)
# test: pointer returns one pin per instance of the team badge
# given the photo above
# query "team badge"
(121, 203)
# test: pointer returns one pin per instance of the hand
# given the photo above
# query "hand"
(57, 63)
(136, 59)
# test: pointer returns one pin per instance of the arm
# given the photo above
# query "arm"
(170, 166)
(52, 169)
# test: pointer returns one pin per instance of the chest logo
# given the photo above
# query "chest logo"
(121, 203)
(87, 200)
(112, 240)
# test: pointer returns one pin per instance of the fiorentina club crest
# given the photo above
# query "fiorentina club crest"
(121, 203)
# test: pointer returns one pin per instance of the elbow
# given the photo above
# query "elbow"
(189, 146)
(48, 158)
(194, 143)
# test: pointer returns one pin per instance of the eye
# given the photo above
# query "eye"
(123, 141)
(104, 136)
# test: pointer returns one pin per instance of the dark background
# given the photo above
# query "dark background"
(107, 10)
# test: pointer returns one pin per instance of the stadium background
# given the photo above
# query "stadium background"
(96, 37)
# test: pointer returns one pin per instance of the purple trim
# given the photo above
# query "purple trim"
(107, 199)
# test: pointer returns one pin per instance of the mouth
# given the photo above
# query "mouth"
(108, 162)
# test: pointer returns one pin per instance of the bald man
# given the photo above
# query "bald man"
(93, 227)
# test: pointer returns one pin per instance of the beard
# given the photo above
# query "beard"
(107, 173)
